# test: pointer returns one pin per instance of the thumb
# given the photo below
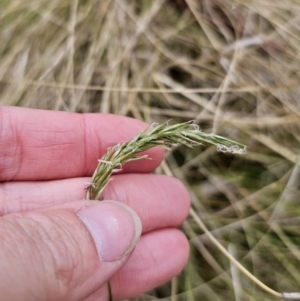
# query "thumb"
(64, 254)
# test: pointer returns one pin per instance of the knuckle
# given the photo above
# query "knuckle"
(9, 146)
(4, 200)
(52, 249)
(62, 250)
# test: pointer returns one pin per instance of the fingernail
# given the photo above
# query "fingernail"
(114, 227)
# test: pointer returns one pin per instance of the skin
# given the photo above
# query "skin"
(46, 160)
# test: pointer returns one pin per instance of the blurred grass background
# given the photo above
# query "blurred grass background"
(231, 65)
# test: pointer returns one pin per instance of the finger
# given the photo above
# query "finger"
(160, 201)
(157, 258)
(61, 255)
(43, 145)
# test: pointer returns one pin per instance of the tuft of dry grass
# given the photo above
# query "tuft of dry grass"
(230, 65)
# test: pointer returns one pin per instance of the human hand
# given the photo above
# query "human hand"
(56, 246)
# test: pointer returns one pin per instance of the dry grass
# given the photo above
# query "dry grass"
(231, 65)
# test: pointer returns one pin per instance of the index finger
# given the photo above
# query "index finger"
(44, 145)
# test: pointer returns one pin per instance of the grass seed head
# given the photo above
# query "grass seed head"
(166, 135)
